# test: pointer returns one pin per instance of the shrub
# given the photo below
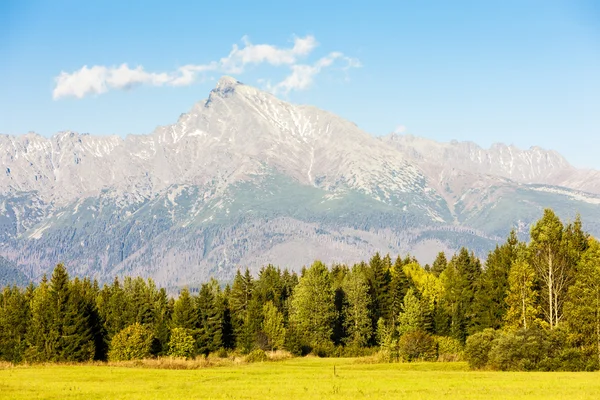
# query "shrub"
(257, 355)
(449, 349)
(478, 348)
(325, 349)
(417, 345)
(182, 343)
(132, 343)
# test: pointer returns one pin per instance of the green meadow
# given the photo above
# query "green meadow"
(300, 378)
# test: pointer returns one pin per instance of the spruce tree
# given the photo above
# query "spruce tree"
(184, 311)
(313, 309)
(493, 285)
(440, 264)
(379, 282)
(14, 321)
(210, 318)
(357, 320)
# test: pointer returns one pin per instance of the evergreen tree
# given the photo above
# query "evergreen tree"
(14, 321)
(440, 264)
(210, 318)
(112, 307)
(41, 338)
(241, 294)
(493, 285)
(399, 286)
(357, 320)
(379, 285)
(184, 311)
(70, 327)
(582, 308)
(460, 281)
(313, 310)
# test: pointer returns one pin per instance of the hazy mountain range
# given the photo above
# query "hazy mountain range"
(246, 179)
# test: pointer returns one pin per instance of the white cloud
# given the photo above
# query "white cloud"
(237, 59)
(400, 129)
(302, 76)
(100, 79)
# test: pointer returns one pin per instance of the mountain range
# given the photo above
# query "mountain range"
(245, 179)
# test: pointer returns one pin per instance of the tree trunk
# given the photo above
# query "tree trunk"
(550, 289)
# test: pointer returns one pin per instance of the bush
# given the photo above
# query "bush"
(182, 343)
(132, 343)
(449, 349)
(478, 348)
(257, 355)
(417, 345)
(325, 349)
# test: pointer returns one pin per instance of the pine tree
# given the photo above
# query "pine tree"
(313, 310)
(241, 294)
(582, 309)
(76, 342)
(184, 311)
(440, 264)
(493, 285)
(379, 285)
(41, 338)
(357, 320)
(14, 321)
(460, 280)
(210, 318)
(399, 286)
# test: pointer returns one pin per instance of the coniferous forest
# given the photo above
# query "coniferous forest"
(529, 306)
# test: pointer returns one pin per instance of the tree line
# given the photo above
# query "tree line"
(532, 305)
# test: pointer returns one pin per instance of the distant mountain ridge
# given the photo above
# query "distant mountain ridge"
(246, 179)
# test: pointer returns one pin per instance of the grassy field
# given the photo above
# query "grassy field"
(306, 378)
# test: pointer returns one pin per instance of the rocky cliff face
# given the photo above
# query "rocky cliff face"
(246, 179)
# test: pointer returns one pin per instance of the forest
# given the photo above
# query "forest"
(529, 306)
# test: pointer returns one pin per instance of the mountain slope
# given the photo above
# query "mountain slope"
(246, 179)
(536, 165)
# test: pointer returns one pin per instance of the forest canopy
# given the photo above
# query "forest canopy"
(530, 306)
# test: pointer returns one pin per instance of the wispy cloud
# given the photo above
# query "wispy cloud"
(100, 79)
(302, 76)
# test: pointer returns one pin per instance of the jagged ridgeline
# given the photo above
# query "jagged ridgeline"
(245, 179)
(529, 306)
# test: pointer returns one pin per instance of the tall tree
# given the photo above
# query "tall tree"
(460, 280)
(440, 264)
(357, 320)
(399, 285)
(521, 298)
(582, 308)
(210, 317)
(184, 311)
(379, 285)
(273, 326)
(550, 262)
(313, 310)
(14, 321)
(70, 325)
(493, 284)
(241, 294)
(411, 318)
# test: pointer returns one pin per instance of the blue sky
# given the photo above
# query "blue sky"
(519, 72)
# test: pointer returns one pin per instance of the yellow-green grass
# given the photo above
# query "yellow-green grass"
(301, 378)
